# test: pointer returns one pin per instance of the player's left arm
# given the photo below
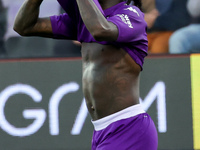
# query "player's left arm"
(96, 23)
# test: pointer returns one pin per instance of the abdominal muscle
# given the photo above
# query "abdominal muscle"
(110, 79)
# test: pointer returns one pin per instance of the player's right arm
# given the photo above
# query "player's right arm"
(28, 23)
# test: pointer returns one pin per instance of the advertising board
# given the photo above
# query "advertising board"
(42, 105)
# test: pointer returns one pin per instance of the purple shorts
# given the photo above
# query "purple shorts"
(129, 129)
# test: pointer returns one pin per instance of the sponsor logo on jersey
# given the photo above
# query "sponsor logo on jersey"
(125, 19)
(133, 10)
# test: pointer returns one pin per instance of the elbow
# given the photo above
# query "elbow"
(98, 37)
(19, 31)
(103, 33)
(100, 34)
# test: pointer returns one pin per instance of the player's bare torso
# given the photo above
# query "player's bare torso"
(110, 79)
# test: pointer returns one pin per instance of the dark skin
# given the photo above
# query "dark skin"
(110, 76)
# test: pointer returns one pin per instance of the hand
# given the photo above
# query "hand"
(151, 17)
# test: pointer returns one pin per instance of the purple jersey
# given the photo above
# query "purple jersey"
(128, 19)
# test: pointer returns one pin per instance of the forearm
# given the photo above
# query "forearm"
(95, 21)
(27, 15)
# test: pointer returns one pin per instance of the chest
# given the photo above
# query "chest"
(95, 52)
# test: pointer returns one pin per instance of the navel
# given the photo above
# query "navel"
(92, 107)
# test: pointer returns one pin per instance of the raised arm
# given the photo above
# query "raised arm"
(28, 23)
(96, 23)
(151, 12)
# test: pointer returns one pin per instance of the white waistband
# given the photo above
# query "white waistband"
(123, 114)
